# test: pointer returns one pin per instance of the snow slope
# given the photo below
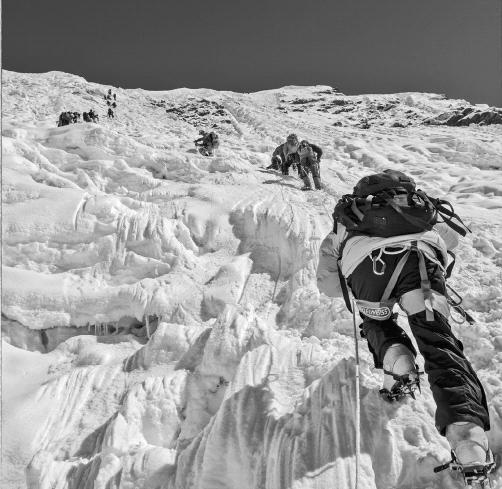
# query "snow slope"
(161, 323)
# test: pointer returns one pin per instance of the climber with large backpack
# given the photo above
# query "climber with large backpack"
(207, 143)
(391, 244)
(310, 158)
(285, 155)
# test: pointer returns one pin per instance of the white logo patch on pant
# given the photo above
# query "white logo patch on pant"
(375, 310)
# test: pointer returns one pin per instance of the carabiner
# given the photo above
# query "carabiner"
(378, 259)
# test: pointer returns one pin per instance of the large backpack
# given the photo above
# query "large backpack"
(389, 204)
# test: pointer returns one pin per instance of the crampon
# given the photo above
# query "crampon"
(404, 386)
(476, 475)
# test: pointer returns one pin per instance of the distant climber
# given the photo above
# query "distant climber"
(285, 155)
(388, 247)
(310, 158)
(65, 119)
(207, 143)
(86, 117)
(111, 115)
(93, 116)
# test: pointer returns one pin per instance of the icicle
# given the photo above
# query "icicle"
(147, 324)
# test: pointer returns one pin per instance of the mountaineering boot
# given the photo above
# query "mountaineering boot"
(401, 375)
(306, 183)
(470, 454)
(317, 183)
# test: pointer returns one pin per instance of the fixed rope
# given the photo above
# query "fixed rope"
(358, 398)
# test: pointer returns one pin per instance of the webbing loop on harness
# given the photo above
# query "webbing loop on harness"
(425, 283)
(394, 277)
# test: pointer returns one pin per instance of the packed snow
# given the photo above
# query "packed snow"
(161, 324)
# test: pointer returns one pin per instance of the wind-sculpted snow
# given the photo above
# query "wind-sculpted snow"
(161, 324)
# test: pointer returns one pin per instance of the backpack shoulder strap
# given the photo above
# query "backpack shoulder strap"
(343, 281)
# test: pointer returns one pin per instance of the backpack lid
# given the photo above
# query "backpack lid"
(388, 179)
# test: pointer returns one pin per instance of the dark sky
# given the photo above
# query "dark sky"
(359, 46)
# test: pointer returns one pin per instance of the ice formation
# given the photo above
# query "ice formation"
(161, 324)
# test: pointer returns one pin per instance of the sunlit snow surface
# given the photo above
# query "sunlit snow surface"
(247, 380)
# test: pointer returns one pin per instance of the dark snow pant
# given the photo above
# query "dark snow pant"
(291, 160)
(456, 389)
(310, 166)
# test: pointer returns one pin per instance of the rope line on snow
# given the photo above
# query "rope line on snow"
(358, 400)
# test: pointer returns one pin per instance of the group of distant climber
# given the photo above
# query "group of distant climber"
(303, 156)
(111, 105)
(69, 117)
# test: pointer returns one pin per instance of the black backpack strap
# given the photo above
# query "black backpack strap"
(343, 281)
(445, 210)
(345, 290)
(449, 268)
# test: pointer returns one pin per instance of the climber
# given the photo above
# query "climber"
(93, 116)
(207, 143)
(285, 153)
(388, 247)
(86, 117)
(111, 115)
(65, 119)
(310, 158)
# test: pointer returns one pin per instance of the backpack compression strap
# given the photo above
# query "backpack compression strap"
(444, 208)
